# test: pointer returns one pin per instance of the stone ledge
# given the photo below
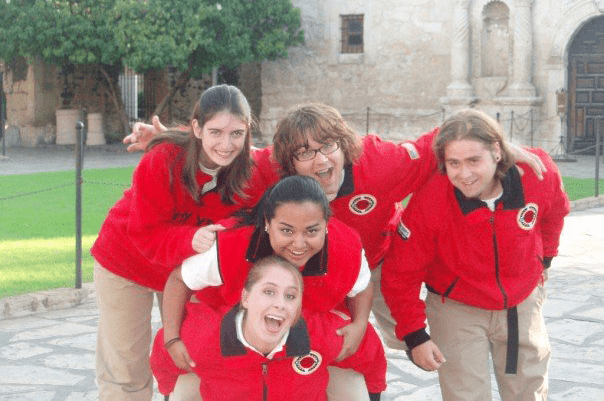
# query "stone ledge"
(43, 301)
(587, 203)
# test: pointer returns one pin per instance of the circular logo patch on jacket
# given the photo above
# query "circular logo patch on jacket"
(362, 204)
(527, 216)
(307, 364)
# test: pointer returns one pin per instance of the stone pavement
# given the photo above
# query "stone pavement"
(47, 339)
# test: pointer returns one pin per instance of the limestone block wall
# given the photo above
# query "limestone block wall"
(425, 59)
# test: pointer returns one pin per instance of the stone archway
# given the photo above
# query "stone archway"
(585, 72)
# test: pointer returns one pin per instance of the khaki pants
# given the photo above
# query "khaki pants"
(346, 385)
(467, 335)
(186, 388)
(385, 322)
(123, 338)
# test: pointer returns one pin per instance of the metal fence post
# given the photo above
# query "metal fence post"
(79, 163)
(2, 114)
(597, 183)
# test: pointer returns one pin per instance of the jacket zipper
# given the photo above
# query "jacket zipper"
(264, 386)
(496, 252)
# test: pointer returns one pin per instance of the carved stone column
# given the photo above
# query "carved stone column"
(522, 85)
(460, 53)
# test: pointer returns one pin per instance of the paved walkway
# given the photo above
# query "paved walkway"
(48, 353)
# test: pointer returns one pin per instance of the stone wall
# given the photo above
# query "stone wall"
(425, 59)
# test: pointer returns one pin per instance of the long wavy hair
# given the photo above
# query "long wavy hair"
(232, 179)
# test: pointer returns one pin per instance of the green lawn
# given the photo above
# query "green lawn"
(37, 224)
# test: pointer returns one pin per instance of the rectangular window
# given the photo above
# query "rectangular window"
(352, 33)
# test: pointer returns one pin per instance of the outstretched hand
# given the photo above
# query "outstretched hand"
(205, 237)
(142, 134)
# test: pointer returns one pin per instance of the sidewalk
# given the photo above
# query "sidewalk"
(47, 339)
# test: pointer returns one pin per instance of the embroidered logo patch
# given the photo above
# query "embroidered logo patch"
(527, 216)
(307, 364)
(403, 231)
(413, 153)
(362, 204)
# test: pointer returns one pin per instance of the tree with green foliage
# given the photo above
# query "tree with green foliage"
(193, 36)
(190, 36)
(66, 33)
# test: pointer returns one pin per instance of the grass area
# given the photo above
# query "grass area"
(37, 240)
(37, 226)
(579, 188)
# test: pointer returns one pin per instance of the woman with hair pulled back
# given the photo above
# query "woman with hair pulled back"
(267, 347)
(188, 180)
(293, 221)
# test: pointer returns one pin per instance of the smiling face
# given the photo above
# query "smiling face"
(222, 138)
(297, 231)
(471, 168)
(328, 170)
(272, 306)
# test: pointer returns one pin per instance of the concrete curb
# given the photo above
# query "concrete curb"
(587, 203)
(43, 301)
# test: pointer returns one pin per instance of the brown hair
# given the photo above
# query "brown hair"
(231, 179)
(477, 126)
(319, 122)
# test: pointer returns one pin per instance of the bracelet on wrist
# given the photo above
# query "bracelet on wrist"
(168, 343)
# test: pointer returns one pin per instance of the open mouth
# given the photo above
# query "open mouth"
(325, 174)
(273, 323)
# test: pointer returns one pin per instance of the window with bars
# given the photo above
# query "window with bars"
(352, 33)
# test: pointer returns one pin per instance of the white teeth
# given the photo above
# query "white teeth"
(324, 173)
(277, 318)
(297, 253)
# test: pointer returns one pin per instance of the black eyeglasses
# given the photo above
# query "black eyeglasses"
(309, 154)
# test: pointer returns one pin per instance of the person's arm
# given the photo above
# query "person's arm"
(176, 295)
(360, 307)
(196, 273)
(370, 361)
(558, 206)
(165, 372)
(359, 304)
(403, 272)
(142, 134)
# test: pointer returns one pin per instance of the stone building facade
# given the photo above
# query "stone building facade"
(399, 68)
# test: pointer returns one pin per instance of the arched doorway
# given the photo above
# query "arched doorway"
(586, 86)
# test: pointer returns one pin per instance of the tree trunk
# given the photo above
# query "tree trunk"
(182, 80)
(116, 97)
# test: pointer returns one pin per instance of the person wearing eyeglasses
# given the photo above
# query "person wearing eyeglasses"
(365, 179)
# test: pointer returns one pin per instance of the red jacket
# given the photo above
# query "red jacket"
(464, 251)
(230, 371)
(148, 232)
(328, 276)
(385, 174)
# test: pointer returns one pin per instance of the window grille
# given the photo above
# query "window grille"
(352, 33)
